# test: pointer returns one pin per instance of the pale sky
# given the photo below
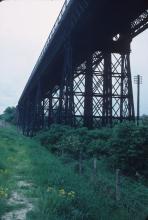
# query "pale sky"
(24, 28)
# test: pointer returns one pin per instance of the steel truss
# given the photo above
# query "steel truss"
(66, 101)
(94, 94)
(103, 90)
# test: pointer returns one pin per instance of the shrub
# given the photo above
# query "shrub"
(9, 115)
(125, 146)
(129, 148)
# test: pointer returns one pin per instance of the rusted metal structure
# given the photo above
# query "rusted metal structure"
(83, 75)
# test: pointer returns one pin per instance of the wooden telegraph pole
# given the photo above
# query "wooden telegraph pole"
(138, 81)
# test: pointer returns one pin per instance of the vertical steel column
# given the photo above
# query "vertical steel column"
(122, 82)
(20, 116)
(66, 102)
(38, 108)
(42, 112)
(23, 119)
(27, 117)
(30, 117)
(88, 102)
(69, 85)
(61, 109)
(55, 104)
(50, 120)
(33, 117)
(131, 109)
(107, 91)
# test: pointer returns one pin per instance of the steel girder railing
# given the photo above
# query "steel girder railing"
(140, 24)
(54, 29)
(82, 6)
(50, 37)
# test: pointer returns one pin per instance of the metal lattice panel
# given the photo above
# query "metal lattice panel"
(79, 90)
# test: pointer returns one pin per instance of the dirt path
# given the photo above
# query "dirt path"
(15, 176)
(19, 200)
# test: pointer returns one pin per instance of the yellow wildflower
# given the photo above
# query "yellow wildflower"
(71, 194)
(3, 171)
(3, 192)
(49, 189)
(62, 192)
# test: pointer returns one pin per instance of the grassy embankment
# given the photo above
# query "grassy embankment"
(56, 189)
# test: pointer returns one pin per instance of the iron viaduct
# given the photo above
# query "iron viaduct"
(83, 74)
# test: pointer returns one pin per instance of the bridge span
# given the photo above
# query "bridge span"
(83, 75)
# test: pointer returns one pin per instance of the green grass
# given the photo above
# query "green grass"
(57, 191)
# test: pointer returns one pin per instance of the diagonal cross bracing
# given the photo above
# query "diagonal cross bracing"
(83, 76)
